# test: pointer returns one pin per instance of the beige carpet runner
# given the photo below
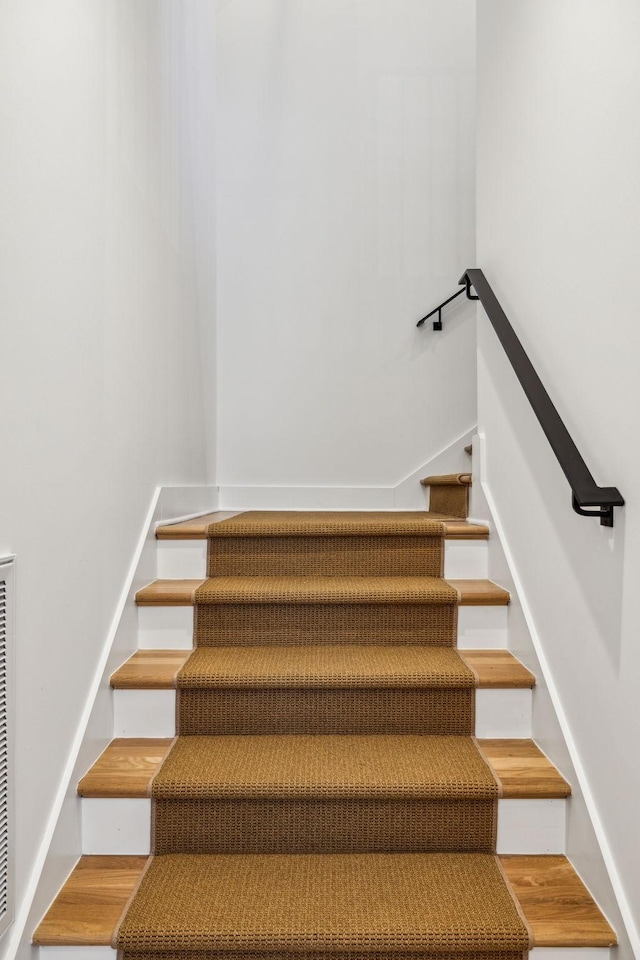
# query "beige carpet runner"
(326, 688)
(325, 797)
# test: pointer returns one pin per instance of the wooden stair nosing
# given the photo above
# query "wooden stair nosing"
(462, 480)
(196, 529)
(157, 670)
(179, 593)
(127, 767)
(555, 903)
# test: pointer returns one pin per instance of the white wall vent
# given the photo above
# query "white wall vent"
(7, 590)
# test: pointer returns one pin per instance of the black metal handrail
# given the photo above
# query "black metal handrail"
(585, 491)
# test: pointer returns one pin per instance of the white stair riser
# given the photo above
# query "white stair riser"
(182, 559)
(466, 559)
(538, 953)
(482, 628)
(144, 713)
(122, 826)
(116, 826)
(187, 559)
(151, 713)
(171, 628)
(571, 953)
(528, 826)
(77, 953)
(504, 713)
(165, 628)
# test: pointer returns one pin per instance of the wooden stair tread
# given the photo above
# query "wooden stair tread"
(480, 593)
(555, 902)
(524, 770)
(179, 593)
(196, 529)
(127, 766)
(89, 905)
(157, 669)
(150, 670)
(168, 593)
(498, 669)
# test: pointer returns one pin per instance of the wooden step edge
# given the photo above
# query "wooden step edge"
(158, 669)
(480, 593)
(196, 529)
(179, 593)
(498, 669)
(168, 593)
(150, 670)
(555, 903)
(464, 530)
(461, 479)
(127, 767)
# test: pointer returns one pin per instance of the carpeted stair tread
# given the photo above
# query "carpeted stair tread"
(557, 906)
(292, 523)
(128, 765)
(179, 593)
(272, 767)
(327, 590)
(327, 905)
(329, 665)
(197, 528)
(158, 669)
(337, 544)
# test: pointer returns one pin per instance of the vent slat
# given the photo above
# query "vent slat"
(7, 574)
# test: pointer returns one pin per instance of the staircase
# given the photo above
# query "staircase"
(326, 787)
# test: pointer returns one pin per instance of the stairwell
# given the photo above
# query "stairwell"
(354, 773)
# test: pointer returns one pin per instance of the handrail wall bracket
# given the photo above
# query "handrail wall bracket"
(605, 514)
(468, 287)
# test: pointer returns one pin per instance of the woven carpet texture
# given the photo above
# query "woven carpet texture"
(327, 544)
(328, 904)
(325, 797)
(309, 793)
(341, 688)
(449, 495)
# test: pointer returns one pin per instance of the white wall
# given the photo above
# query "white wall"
(345, 186)
(106, 309)
(559, 240)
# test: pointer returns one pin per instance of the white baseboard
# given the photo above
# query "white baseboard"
(407, 494)
(547, 677)
(176, 504)
(95, 728)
